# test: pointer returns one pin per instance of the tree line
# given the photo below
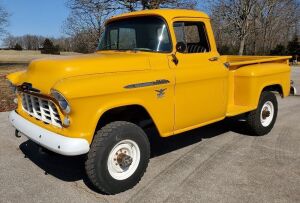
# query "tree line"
(252, 27)
(255, 26)
(35, 42)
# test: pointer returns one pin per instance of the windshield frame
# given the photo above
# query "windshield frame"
(138, 50)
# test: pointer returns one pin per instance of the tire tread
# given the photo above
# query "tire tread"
(253, 118)
(99, 141)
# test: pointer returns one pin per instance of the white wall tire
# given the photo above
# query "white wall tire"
(118, 157)
(262, 120)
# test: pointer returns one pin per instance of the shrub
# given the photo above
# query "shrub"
(293, 48)
(49, 48)
(278, 50)
(18, 47)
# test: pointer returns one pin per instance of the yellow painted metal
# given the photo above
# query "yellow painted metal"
(237, 61)
(167, 14)
(196, 77)
(199, 92)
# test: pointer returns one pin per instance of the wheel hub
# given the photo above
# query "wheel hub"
(124, 160)
(266, 113)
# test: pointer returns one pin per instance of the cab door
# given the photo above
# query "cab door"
(201, 79)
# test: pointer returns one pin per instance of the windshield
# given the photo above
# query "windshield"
(140, 33)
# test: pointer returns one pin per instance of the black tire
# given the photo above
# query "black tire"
(104, 142)
(254, 117)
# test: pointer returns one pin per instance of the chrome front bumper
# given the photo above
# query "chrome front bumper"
(51, 141)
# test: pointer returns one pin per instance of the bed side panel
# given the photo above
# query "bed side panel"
(249, 81)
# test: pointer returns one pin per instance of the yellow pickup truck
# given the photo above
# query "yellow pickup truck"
(153, 67)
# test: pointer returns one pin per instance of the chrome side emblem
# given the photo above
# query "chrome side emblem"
(161, 93)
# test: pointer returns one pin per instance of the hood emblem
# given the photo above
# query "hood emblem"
(161, 93)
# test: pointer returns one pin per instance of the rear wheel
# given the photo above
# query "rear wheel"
(118, 157)
(262, 120)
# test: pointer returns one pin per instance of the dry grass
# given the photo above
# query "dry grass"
(11, 56)
(6, 94)
(13, 61)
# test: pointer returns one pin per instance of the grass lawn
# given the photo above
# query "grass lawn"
(13, 61)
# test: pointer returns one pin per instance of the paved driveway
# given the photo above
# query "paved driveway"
(216, 163)
(296, 77)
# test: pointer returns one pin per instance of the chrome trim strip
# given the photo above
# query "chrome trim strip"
(147, 84)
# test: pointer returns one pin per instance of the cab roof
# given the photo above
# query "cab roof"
(168, 14)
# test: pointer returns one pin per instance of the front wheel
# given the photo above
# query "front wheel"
(118, 157)
(262, 120)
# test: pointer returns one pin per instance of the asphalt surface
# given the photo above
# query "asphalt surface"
(296, 77)
(217, 163)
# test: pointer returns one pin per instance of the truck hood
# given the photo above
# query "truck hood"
(43, 74)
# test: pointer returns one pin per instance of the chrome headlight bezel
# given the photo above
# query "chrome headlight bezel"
(62, 101)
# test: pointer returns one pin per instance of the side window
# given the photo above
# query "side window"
(179, 31)
(193, 34)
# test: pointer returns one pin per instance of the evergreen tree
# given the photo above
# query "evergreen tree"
(18, 47)
(49, 48)
(293, 48)
(278, 50)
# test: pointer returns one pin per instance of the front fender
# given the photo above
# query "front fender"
(15, 78)
(91, 96)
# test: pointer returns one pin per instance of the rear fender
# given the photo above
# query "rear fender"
(250, 81)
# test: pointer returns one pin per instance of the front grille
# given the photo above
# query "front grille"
(41, 109)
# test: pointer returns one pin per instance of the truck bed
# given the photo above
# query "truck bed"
(238, 84)
(233, 61)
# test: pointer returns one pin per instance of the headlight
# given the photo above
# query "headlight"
(12, 87)
(63, 103)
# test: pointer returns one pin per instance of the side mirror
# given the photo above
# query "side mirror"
(180, 47)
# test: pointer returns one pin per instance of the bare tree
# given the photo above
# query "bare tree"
(86, 19)
(155, 4)
(277, 22)
(9, 41)
(235, 17)
(132, 5)
(3, 20)
(254, 26)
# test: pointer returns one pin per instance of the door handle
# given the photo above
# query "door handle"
(214, 58)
